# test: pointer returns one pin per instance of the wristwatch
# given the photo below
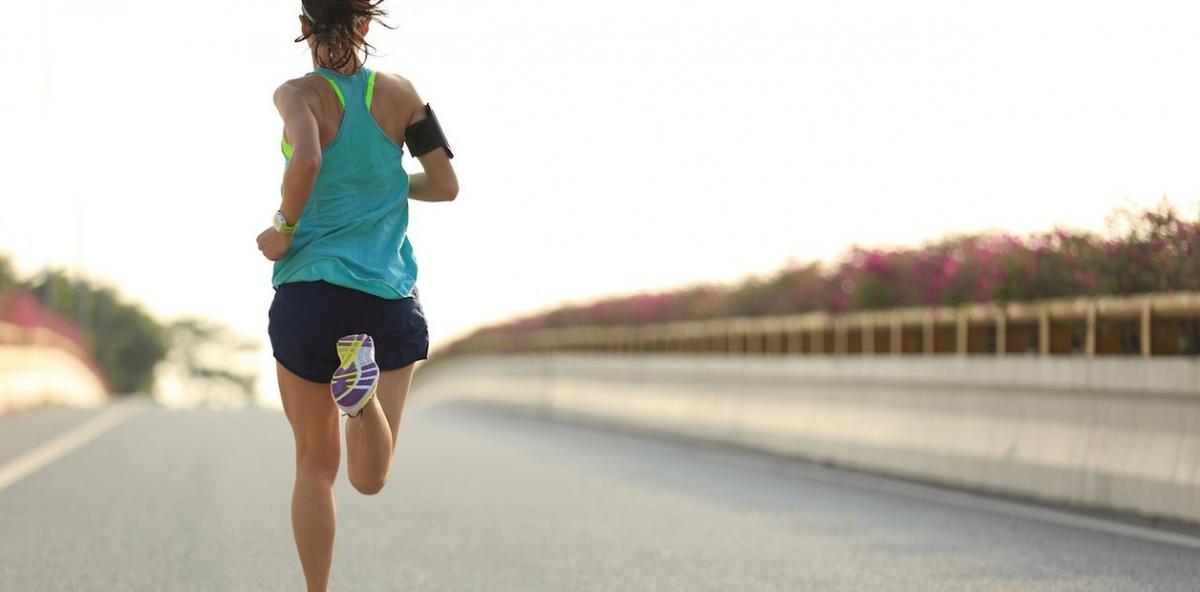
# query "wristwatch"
(281, 224)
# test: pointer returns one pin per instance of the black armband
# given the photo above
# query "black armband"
(426, 135)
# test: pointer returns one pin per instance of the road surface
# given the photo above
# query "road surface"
(137, 497)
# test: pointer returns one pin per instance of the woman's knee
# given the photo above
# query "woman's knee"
(368, 484)
(319, 460)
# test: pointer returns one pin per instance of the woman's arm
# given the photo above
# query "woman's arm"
(423, 187)
(438, 182)
(300, 127)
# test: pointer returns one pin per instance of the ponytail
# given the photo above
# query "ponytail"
(334, 25)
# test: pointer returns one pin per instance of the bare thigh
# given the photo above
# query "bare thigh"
(314, 418)
(393, 391)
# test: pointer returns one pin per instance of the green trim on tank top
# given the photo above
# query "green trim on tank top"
(336, 88)
(370, 89)
(283, 143)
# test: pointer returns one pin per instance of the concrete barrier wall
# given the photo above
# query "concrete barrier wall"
(1120, 434)
(36, 375)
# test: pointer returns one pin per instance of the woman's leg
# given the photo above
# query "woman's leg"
(314, 418)
(369, 444)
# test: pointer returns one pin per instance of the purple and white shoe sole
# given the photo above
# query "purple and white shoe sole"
(357, 377)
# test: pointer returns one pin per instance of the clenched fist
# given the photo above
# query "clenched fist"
(274, 244)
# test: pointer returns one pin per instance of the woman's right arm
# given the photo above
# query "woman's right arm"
(438, 182)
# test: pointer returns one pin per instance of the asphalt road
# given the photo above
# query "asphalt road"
(488, 500)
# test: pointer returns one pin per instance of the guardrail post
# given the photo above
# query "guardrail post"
(960, 337)
(1089, 346)
(1144, 334)
(839, 337)
(927, 333)
(867, 329)
(1043, 330)
(1001, 332)
(897, 335)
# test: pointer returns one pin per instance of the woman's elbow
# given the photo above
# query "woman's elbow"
(308, 163)
(450, 191)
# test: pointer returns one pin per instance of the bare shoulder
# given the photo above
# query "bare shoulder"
(400, 96)
(398, 90)
(300, 89)
(396, 84)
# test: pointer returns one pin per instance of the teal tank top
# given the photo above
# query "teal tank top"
(354, 229)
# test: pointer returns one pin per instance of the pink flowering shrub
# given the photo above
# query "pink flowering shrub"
(1151, 250)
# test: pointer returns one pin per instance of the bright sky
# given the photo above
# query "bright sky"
(602, 147)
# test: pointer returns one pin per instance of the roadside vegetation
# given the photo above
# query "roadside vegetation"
(1143, 250)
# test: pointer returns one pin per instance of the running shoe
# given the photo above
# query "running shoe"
(354, 382)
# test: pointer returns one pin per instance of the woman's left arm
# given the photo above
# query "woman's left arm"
(300, 125)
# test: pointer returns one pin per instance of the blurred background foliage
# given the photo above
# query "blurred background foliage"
(203, 354)
(8, 276)
(1143, 250)
(125, 343)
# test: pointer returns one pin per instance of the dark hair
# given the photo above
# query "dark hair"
(334, 25)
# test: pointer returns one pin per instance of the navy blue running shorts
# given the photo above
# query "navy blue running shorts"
(308, 318)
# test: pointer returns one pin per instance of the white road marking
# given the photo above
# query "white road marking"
(59, 447)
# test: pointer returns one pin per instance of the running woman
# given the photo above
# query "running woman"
(346, 325)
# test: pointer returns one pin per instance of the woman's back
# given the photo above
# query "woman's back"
(353, 229)
(394, 106)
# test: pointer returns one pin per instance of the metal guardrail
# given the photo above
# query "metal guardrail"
(1145, 325)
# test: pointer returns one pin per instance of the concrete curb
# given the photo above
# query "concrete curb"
(1118, 434)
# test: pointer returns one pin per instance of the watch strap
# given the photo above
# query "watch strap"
(281, 224)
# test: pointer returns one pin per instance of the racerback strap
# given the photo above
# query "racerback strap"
(337, 89)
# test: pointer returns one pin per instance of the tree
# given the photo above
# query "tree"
(8, 276)
(209, 363)
(125, 340)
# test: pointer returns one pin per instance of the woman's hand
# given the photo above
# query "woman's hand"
(274, 244)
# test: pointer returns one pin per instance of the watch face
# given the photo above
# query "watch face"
(279, 220)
